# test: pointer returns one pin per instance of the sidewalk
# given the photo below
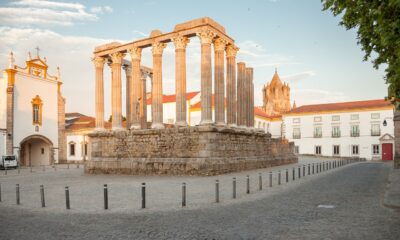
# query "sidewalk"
(392, 194)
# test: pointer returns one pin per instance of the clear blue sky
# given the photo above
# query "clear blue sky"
(319, 59)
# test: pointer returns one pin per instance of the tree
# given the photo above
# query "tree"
(378, 32)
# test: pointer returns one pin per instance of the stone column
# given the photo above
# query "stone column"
(157, 89)
(231, 51)
(248, 94)
(143, 102)
(136, 54)
(99, 98)
(128, 74)
(206, 38)
(241, 78)
(116, 90)
(251, 98)
(219, 81)
(180, 43)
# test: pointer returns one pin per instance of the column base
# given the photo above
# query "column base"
(220, 124)
(135, 126)
(206, 122)
(117, 129)
(232, 125)
(102, 129)
(181, 124)
(157, 125)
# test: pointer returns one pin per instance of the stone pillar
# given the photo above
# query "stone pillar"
(143, 102)
(249, 98)
(241, 78)
(219, 81)
(136, 54)
(128, 74)
(231, 51)
(157, 89)
(206, 38)
(99, 98)
(116, 90)
(180, 76)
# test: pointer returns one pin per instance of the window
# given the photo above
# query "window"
(375, 129)
(354, 149)
(375, 116)
(354, 117)
(84, 148)
(336, 150)
(354, 131)
(37, 110)
(296, 149)
(72, 149)
(375, 149)
(42, 150)
(318, 132)
(317, 119)
(296, 133)
(296, 120)
(335, 131)
(336, 118)
(317, 150)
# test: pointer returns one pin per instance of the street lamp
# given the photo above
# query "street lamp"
(384, 123)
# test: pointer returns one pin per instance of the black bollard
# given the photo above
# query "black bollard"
(67, 205)
(317, 167)
(294, 174)
(299, 172)
(309, 167)
(234, 188)
(270, 179)
(105, 197)
(0, 192)
(304, 170)
(216, 191)
(287, 176)
(313, 168)
(259, 181)
(42, 196)
(17, 194)
(143, 195)
(183, 194)
(279, 177)
(247, 184)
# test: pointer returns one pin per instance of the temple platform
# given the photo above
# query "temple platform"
(200, 150)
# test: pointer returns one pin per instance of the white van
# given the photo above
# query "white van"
(8, 161)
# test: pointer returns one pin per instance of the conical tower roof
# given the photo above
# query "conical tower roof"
(276, 81)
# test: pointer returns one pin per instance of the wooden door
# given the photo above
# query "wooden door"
(387, 151)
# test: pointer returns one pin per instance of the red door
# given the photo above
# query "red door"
(387, 151)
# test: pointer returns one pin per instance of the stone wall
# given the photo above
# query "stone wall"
(186, 151)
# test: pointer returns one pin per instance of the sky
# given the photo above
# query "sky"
(319, 59)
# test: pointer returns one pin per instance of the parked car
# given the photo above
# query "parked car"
(8, 161)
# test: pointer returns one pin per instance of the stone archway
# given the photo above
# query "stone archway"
(36, 150)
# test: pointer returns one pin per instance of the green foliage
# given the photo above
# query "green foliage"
(110, 118)
(378, 31)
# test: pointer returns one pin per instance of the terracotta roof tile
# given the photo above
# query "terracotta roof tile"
(172, 98)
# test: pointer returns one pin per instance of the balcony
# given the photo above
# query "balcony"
(297, 136)
(317, 135)
(336, 134)
(354, 134)
(375, 132)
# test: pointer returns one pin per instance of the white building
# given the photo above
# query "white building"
(31, 112)
(350, 129)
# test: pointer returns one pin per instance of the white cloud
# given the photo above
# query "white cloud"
(317, 96)
(101, 10)
(298, 76)
(36, 13)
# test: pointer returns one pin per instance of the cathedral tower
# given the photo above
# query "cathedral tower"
(276, 96)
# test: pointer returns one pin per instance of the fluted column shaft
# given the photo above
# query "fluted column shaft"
(249, 73)
(99, 98)
(157, 89)
(180, 79)
(241, 73)
(143, 102)
(219, 81)
(116, 92)
(251, 98)
(128, 74)
(231, 51)
(134, 91)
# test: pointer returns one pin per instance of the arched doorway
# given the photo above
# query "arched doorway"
(36, 150)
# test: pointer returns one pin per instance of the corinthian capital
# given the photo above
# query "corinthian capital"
(158, 48)
(219, 44)
(206, 36)
(231, 50)
(136, 53)
(117, 57)
(99, 61)
(180, 42)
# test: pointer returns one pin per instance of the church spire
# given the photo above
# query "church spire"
(294, 104)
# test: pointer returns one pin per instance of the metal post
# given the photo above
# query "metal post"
(0, 192)
(270, 179)
(304, 170)
(183, 194)
(317, 167)
(309, 166)
(279, 177)
(68, 165)
(260, 181)
(313, 168)
(17, 194)
(77, 165)
(294, 174)
(143, 195)
(287, 176)
(216, 191)
(299, 172)
(234, 188)
(42, 196)
(247, 184)
(105, 197)
(67, 205)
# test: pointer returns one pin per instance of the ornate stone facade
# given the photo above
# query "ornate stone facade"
(276, 96)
